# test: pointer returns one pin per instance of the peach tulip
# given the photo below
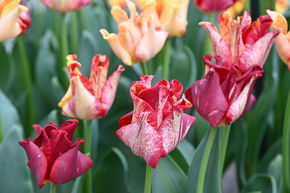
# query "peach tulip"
(140, 37)
(283, 39)
(11, 24)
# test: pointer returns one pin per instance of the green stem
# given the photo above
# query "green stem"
(207, 44)
(223, 147)
(64, 52)
(88, 146)
(166, 61)
(145, 68)
(148, 179)
(52, 188)
(205, 159)
(28, 84)
(74, 32)
(84, 19)
(285, 145)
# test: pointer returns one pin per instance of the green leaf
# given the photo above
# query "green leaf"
(6, 72)
(212, 181)
(261, 183)
(276, 169)
(15, 175)
(110, 176)
(8, 114)
(168, 177)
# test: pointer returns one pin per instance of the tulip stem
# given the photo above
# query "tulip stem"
(63, 53)
(166, 61)
(205, 159)
(148, 179)
(145, 68)
(223, 146)
(27, 79)
(52, 188)
(285, 145)
(88, 144)
(74, 32)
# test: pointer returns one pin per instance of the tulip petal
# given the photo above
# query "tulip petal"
(214, 5)
(238, 106)
(117, 47)
(9, 26)
(257, 54)
(109, 91)
(126, 120)
(208, 99)
(143, 140)
(37, 160)
(220, 47)
(283, 47)
(69, 127)
(70, 165)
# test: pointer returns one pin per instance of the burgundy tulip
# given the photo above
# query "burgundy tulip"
(240, 51)
(157, 123)
(52, 155)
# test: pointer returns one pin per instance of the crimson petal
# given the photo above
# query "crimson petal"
(70, 165)
(37, 160)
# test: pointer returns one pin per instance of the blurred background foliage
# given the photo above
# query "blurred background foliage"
(255, 140)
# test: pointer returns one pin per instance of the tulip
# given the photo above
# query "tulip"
(92, 98)
(213, 5)
(64, 6)
(157, 124)
(237, 8)
(140, 37)
(173, 16)
(24, 21)
(240, 51)
(281, 5)
(11, 24)
(283, 39)
(52, 155)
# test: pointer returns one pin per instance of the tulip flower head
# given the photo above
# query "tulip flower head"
(283, 39)
(140, 37)
(281, 6)
(157, 123)
(90, 98)
(52, 155)
(173, 16)
(11, 23)
(64, 6)
(214, 5)
(240, 51)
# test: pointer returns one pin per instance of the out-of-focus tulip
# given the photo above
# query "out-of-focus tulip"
(283, 39)
(11, 24)
(140, 36)
(173, 16)
(157, 124)
(237, 8)
(90, 98)
(214, 5)
(120, 3)
(24, 21)
(240, 51)
(281, 5)
(64, 6)
(52, 155)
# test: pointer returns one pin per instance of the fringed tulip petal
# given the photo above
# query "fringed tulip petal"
(36, 160)
(70, 165)
(157, 123)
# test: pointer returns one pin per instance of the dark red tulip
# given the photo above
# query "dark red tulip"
(52, 155)
(157, 124)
